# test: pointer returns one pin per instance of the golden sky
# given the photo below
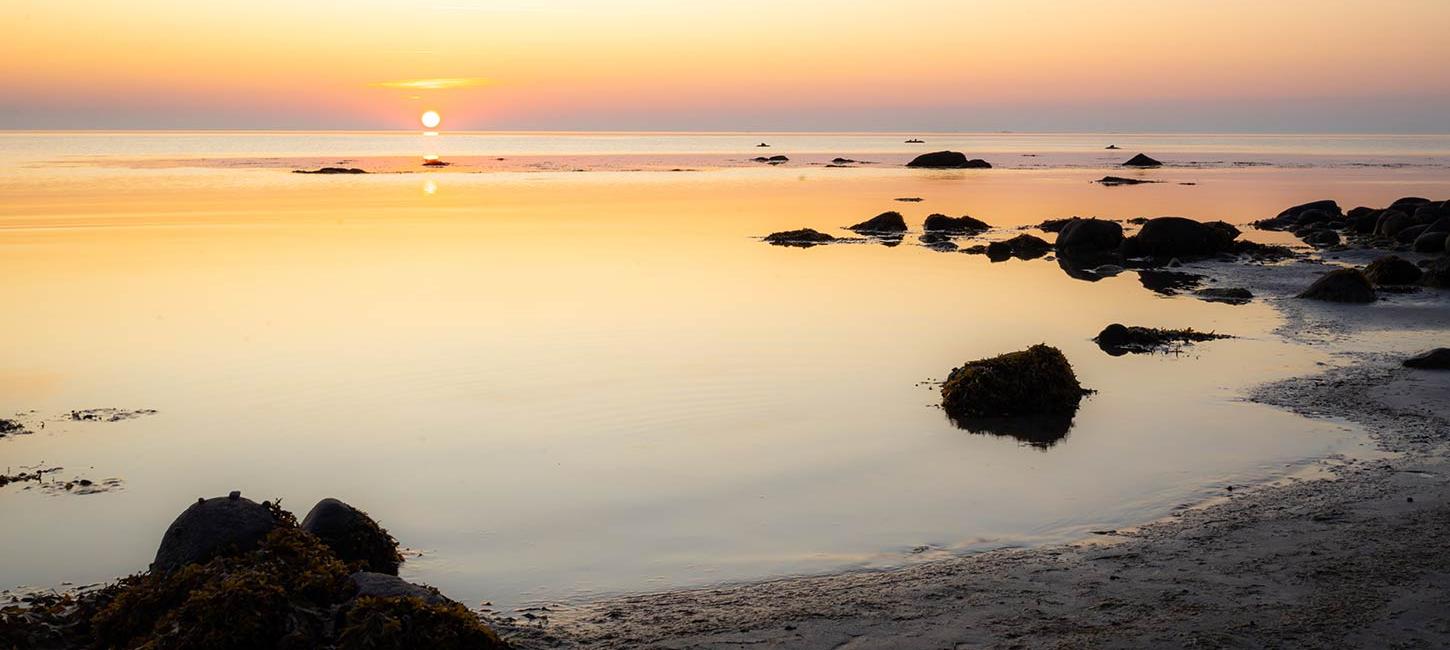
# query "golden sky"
(738, 64)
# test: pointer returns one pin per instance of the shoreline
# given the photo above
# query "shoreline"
(1335, 561)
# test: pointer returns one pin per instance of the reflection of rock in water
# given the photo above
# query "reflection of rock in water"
(1040, 431)
(1168, 283)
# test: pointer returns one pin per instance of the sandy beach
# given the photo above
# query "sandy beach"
(1351, 556)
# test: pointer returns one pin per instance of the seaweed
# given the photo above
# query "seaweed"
(1034, 381)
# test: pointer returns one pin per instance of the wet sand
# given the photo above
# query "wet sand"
(1353, 559)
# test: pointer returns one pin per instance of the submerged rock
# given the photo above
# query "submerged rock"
(886, 222)
(355, 537)
(213, 527)
(1141, 160)
(1392, 270)
(1342, 285)
(1088, 236)
(1118, 339)
(8, 427)
(1229, 295)
(947, 160)
(1436, 359)
(803, 238)
(962, 225)
(772, 159)
(1035, 381)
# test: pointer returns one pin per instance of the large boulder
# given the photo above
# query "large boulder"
(1022, 246)
(1362, 220)
(1035, 381)
(1430, 242)
(886, 222)
(1167, 237)
(1437, 273)
(1089, 236)
(384, 585)
(1307, 213)
(1342, 285)
(1409, 235)
(1436, 359)
(1118, 339)
(1391, 222)
(940, 223)
(803, 238)
(1141, 160)
(355, 537)
(213, 527)
(1392, 270)
(947, 160)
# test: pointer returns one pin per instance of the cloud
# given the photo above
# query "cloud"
(445, 83)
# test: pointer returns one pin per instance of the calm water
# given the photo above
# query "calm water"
(556, 384)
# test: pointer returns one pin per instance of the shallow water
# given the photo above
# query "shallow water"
(557, 384)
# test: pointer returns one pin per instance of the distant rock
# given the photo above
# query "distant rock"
(1024, 246)
(1165, 237)
(1322, 238)
(886, 222)
(331, 170)
(803, 238)
(1117, 338)
(1229, 295)
(948, 160)
(909, 199)
(1111, 181)
(1342, 285)
(436, 163)
(762, 145)
(772, 159)
(962, 225)
(1035, 381)
(213, 527)
(1088, 236)
(915, 141)
(1112, 147)
(354, 536)
(1142, 160)
(842, 161)
(1436, 359)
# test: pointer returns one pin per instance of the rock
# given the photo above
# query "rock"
(1327, 207)
(1342, 285)
(1230, 295)
(1054, 225)
(213, 527)
(1322, 238)
(842, 161)
(1118, 339)
(772, 159)
(1166, 237)
(8, 427)
(1168, 283)
(1436, 359)
(1437, 273)
(1089, 236)
(955, 225)
(1112, 147)
(1111, 181)
(947, 160)
(1430, 242)
(1392, 270)
(762, 145)
(331, 170)
(1038, 380)
(803, 238)
(1410, 202)
(1409, 235)
(886, 222)
(383, 585)
(355, 537)
(1022, 246)
(1391, 222)
(1141, 160)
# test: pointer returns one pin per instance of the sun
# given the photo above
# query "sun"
(431, 119)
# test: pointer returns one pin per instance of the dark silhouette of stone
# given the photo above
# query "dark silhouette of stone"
(355, 537)
(1391, 222)
(1112, 147)
(1054, 225)
(1089, 236)
(803, 238)
(762, 145)
(1430, 242)
(1118, 338)
(1035, 381)
(331, 170)
(1342, 285)
(772, 159)
(1409, 202)
(1141, 160)
(1024, 246)
(1436, 359)
(1409, 235)
(384, 585)
(1437, 273)
(1112, 181)
(955, 225)
(886, 222)
(213, 527)
(1229, 295)
(948, 160)
(1166, 237)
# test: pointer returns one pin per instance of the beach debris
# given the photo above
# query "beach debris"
(965, 224)
(802, 238)
(1142, 160)
(1118, 339)
(355, 537)
(1436, 359)
(1392, 270)
(1035, 381)
(331, 170)
(1228, 295)
(1166, 237)
(1341, 285)
(1112, 181)
(108, 414)
(887, 222)
(948, 160)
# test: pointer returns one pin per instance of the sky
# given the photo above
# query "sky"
(735, 65)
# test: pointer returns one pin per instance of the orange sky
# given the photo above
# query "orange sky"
(743, 64)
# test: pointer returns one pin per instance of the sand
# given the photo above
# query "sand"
(1352, 558)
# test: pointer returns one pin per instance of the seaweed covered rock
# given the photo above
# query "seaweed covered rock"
(1088, 236)
(1391, 222)
(1392, 270)
(1035, 381)
(940, 223)
(1166, 237)
(1117, 339)
(355, 537)
(213, 527)
(886, 222)
(1342, 285)
(1142, 160)
(409, 622)
(1436, 359)
(803, 238)
(947, 160)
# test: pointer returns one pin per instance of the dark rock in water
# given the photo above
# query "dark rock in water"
(355, 537)
(1088, 236)
(1117, 339)
(1035, 381)
(938, 242)
(1039, 431)
(331, 170)
(842, 161)
(947, 160)
(762, 145)
(1165, 237)
(1022, 246)
(1392, 270)
(8, 427)
(955, 225)
(1391, 222)
(213, 527)
(1262, 252)
(1437, 273)
(1230, 295)
(1168, 283)
(1112, 146)
(1111, 181)
(1054, 225)
(1141, 160)
(1436, 359)
(1410, 202)
(891, 221)
(1430, 242)
(385, 585)
(909, 199)
(915, 141)
(1313, 212)
(803, 238)
(1322, 238)
(772, 159)
(1342, 285)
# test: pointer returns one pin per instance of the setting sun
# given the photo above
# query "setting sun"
(431, 119)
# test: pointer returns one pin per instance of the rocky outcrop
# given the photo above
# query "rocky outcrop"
(331, 170)
(947, 160)
(1142, 160)
(354, 536)
(1080, 236)
(886, 222)
(1169, 237)
(963, 225)
(1118, 339)
(1024, 246)
(802, 238)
